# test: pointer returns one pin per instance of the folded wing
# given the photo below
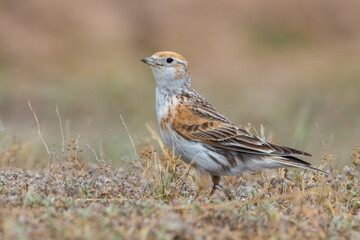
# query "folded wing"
(202, 122)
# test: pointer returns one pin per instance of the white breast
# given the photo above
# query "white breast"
(188, 150)
(164, 101)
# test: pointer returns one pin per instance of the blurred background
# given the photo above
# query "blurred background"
(292, 66)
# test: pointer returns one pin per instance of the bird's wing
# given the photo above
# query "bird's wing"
(201, 122)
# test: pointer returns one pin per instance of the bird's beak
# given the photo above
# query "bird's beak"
(149, 60)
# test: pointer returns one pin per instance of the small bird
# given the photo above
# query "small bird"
(204, 137)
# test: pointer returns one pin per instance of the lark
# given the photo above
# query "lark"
(199, 134)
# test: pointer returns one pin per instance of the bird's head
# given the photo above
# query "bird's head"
(169, 68)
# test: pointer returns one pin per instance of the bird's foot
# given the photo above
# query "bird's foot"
(225, 190)
(215, 186)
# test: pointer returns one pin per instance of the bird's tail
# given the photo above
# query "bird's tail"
(290, 161)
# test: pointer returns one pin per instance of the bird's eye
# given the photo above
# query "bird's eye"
(169, 60)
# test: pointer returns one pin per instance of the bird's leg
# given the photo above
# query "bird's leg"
(216, 181)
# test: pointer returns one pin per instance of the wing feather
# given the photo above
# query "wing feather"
(200, 121)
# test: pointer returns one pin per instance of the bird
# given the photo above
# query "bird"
(202, 136)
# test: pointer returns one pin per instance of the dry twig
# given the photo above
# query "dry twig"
(132, 142)
(39, 132)
(61, 129)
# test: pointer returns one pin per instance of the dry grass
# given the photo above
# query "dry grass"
(288, 66)
(165, 199)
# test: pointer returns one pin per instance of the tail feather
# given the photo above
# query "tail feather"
(290, 161)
